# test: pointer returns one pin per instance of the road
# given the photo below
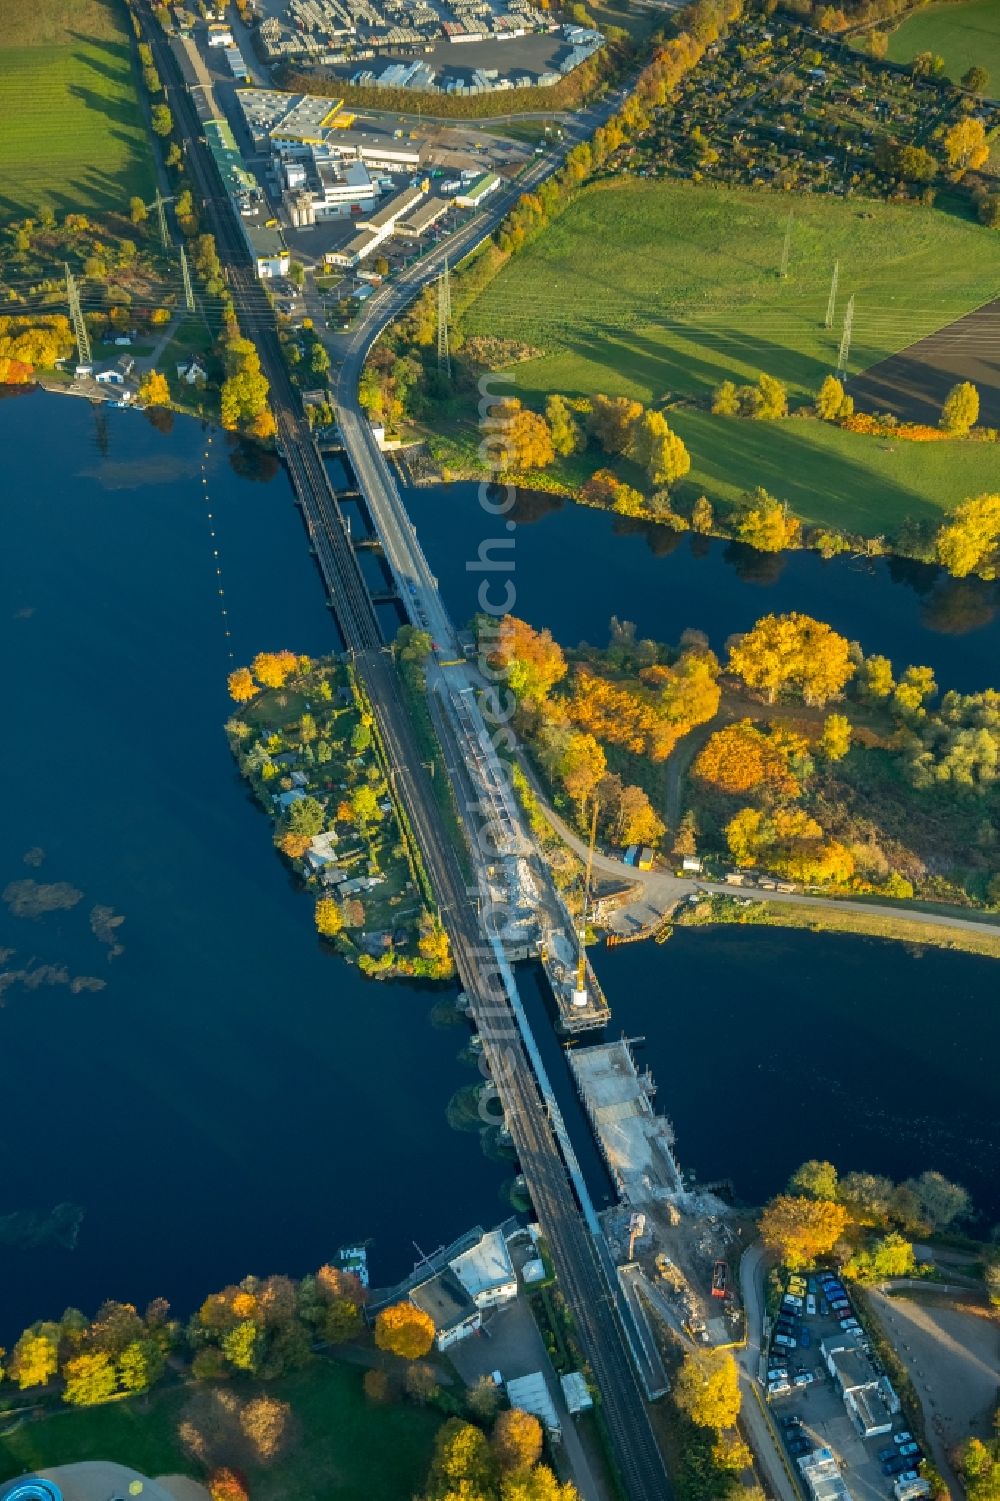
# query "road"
(582, 1277)
(759, 1430)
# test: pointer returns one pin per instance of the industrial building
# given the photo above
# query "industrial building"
(262, 234)
(376, 230)
(868, 1396)
(822, 1477)
(319, 186)
(472, 195)
(423, 218)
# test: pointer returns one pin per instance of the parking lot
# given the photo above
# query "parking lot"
(808, 1402)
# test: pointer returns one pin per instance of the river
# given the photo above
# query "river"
(236, 1099)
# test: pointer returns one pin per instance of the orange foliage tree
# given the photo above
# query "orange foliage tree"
(531, 660)
(405, 1330)
(740, 758)
(273, 668)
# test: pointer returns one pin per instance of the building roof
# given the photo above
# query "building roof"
(872, 1407)
(484, 1266)
(427, 214)
(400, 203)
(480, 186)
(531, 1394)
(822, 1475)
(852, 1369)
(445, 1299)
(576, 1391)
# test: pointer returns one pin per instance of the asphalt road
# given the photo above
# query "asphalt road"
(581, 1275)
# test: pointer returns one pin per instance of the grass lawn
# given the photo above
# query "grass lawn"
(961, 34)
(862, 484)
(643, 288)
(346, 1449)
(71, 133)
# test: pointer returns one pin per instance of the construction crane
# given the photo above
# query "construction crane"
(580, 992)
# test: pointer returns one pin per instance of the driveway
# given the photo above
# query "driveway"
(757, 1426)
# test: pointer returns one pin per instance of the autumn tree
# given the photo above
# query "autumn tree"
(329, 917)
(764, 523)
(814, 1180)
(960, 411)
(162, 120)
(140, 1365)
(801, 1229)
(740, 758)
(463, 1463)
(242, 687)
(830, 399)
(914, 688)
(137, 211)
(484, 1399)
(154, 390)
(272, 669)
(531, 660)
(516, 1440)
(890, 1256)
(267, 1423)
(566, 434)
(611, 420)
(34, 1359)
(976, 79)
(965, 145)
(90, 1379)
(658, 450)
(875, 679)
(707, 1389)
(969, 541)
(581, 767)
(867, 1196)
(793, 651)
(702, 516)
(244, 392)
(420, 1382)
(637, 821)
(835, 740)
(225, 1485)
(526, 439)
(405, 1330)
(434, 947)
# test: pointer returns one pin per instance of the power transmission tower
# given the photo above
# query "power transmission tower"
(161, 215)
(787, 247)
(845, 338)
(188, 290)
(443, 320)
(831, 302)
(76, 318)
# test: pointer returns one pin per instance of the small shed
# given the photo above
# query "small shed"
(576, 1392)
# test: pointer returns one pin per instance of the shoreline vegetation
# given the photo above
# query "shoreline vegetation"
(798, 763)
(305, 739)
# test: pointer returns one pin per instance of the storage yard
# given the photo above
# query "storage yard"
(424, 46)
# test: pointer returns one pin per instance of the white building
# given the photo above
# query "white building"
(376, 230)
(822, 1476)
(486, 1271)
(576, 1392)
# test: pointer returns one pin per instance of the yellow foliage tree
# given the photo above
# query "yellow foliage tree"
(707, 1389)
(434, 947)
(800, 1229)
(836, 737)
(328, 915)
(405, 1330)
(526, 438)
(35, 1358)
(764, 523)
(960, 411)
(154, 390)
(274, 668)
(532, 661)
(517, 1440)
(969, 541)
(966, 145)
(90, 1379)
(793, 651)
(242, 687)
(263, 427)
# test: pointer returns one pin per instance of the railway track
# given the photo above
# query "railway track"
(582, 1278)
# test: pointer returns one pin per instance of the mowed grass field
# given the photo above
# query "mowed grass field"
(649, 288)
(72, 136)
(345, 1449)
(961, 34)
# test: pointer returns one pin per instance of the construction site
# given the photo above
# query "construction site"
(675, 1243)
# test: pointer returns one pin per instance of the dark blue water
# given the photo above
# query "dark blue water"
(574, 568)
(235, 1099)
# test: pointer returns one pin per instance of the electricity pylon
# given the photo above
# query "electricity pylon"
(76, 318)
(786, 249)
(443, 321)
(188, 290)
(845, 338)
(831, 302)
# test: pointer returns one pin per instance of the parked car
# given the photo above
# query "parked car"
(778, 1388)
(796, 1285)
(907, 1476)
(798, 1447)
(910, 1450)
(810, 1304)
(896, 1466)
(905, 1437)
(786, 1341)
(886, 1454)
(849, 1324)
(804, 1378)
(805, 1338)
(791, 1301)
(791, 1420)
(778, 1374)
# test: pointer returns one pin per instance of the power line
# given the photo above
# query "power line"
(831, 302)
(845, 338)
(76, 318)
(443, 320)
(786, 248)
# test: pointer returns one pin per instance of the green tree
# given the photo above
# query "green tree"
(567, 435)
(306, 816)
(891, 1256)
(140, 1365)
(319, 360)
(960, 411)
(707, 1389)
(361, 737)
(867, 1196)
(814, 1180)
(976, 80)
(941, 1201)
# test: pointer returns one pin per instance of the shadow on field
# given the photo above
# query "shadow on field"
(914, 383)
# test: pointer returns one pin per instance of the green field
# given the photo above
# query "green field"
(72, 136)
(346, 1449)
(961, 34)
(841, 479)
(648, 288)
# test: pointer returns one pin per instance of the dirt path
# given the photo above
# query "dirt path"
(914, 383)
